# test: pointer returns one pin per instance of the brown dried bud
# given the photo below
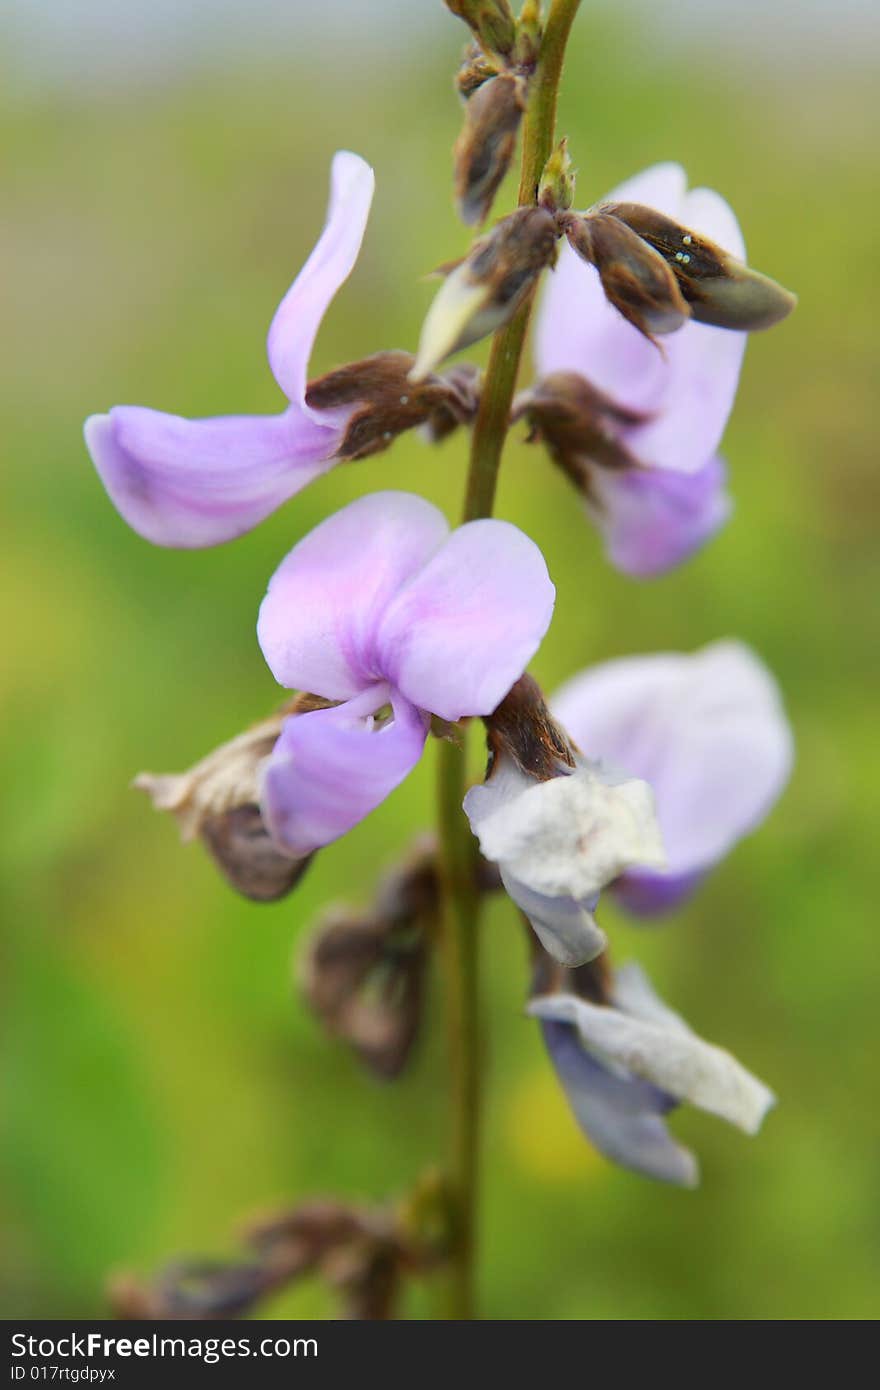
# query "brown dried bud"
(485, 147)
(488, 287)
(218, 800)
(577, 423)
(523, 729)
(636, 279)
(490, 21)
(388, 403)
(363, 974)
(719, 289)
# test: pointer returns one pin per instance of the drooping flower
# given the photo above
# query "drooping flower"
(382, 609)
(707, 731)
(670, 403)
(625, 1060)
(558, 827)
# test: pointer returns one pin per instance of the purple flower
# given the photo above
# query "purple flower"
(626, 1062)
(382, 609)
(707, 731)
(191, 483)
(680, 393)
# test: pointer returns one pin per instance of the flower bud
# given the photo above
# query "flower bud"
(218, 800)
(486, 289)
(635, 277)
(387, 403)
(719, 289)
(484, 149)
(491, 22)
(556, 189)
(195, 1289)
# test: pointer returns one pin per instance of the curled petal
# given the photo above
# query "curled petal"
(708, 732)
(298, 316)
(331, 767)
(466, 625)
(652, 520)
(192, 483)
(621, 1115)
(670, 1057)
(318, 621)
(688, 388)
(565, 927)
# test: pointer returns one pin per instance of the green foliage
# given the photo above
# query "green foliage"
(163, 1078)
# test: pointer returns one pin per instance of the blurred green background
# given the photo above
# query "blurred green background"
(162, 1080)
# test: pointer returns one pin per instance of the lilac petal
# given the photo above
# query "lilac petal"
(622, 1115)
(331, 767)
(708, 732)
(646, 893)
(298, 317)
(318, 621)
(464, 628)
(653, 520)
(191, 483)
(565, 926)
(687, 387)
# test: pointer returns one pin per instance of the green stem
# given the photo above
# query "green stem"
(499, 383)
(458, 848)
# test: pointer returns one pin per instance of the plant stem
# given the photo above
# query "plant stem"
(499, 383)
(458, 848)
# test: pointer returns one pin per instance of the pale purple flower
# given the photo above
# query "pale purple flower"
(682, 390)
(707, 731)
(191, 483)
(384, 610)
(625, 1064)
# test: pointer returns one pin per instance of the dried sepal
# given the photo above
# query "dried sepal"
(523, 729)
(389, 403)
(719, 289)
(485, 147)
(486, 290)
(635, 277)
(578, 424)
(218, 800)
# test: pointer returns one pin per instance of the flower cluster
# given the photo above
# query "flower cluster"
(637, 778)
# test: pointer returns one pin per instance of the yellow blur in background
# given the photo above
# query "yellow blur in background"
(162, 1078)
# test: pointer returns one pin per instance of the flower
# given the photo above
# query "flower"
(678, 397)
(191, 483)
(628, 1060)
(382, 609)
(557, 825)
(708, 731)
